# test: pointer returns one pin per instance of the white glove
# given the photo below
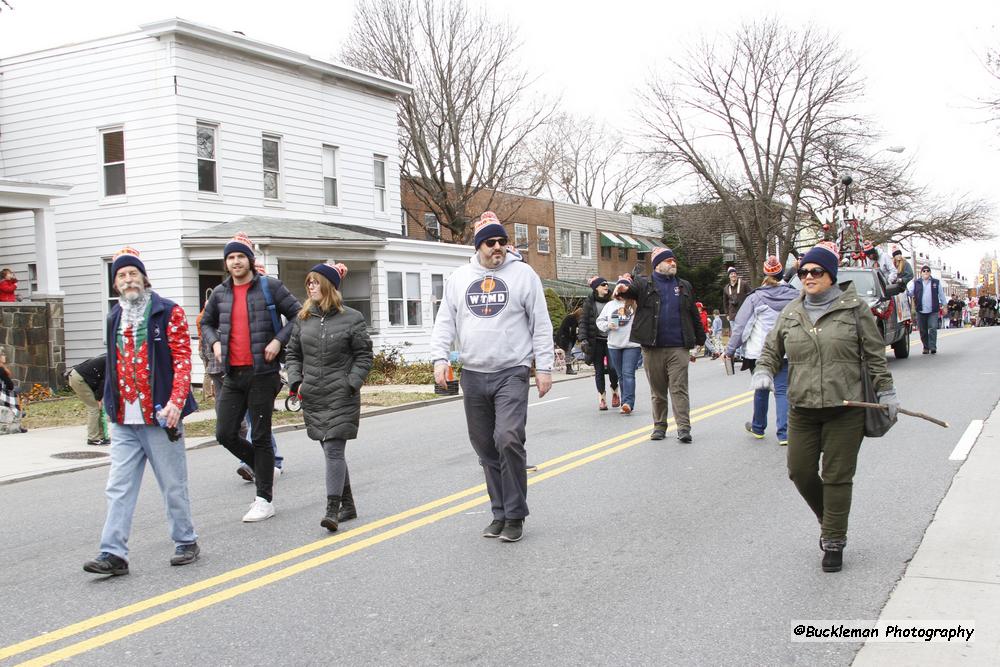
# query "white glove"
(762, 380)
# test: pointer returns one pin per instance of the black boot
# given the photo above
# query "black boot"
(332, 508)
(347, 509)
(833, 555)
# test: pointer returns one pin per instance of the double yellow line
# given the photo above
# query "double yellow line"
(547, 470)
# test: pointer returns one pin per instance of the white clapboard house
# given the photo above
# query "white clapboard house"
(175, 137)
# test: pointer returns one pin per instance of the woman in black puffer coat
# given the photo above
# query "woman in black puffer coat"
(329, 356)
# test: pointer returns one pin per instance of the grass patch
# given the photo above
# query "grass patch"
(63, 412)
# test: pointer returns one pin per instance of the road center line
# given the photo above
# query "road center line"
(554, 400)
(170, 596)
(967, 440)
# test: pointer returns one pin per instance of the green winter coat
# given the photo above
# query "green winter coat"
(330, 354)
(824, 366)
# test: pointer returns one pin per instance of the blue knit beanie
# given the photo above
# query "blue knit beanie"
(660, 254)
(596, 282)
(127, 257)
(332, 272)
(488, 227)
(825, 254)
(239, 243)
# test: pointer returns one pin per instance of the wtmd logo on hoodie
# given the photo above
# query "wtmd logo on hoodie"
(487, 297)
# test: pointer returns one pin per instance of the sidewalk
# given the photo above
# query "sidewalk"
(955, 574)
(49, 451)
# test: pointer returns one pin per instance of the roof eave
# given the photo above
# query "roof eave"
(237, 42)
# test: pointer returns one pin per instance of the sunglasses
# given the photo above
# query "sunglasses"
(925, 270)
(492, 243)
(814, 272)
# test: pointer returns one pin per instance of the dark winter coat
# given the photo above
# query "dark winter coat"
(92, 372)
(733, 297)
(566, 335)
(329, 356)
(587, 330)
(647, 314)
(216, 320)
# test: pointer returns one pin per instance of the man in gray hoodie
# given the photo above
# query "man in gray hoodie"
(494, 310)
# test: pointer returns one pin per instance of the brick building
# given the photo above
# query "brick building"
(530, 224)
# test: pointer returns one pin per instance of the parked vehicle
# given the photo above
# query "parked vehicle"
(892, 311)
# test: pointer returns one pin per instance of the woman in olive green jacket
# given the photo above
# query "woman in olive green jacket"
(328, 358)
(819, 333)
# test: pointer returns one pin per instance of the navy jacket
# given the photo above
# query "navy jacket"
(216, 321)
(161, 366)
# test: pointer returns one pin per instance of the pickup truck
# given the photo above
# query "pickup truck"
(891, 309)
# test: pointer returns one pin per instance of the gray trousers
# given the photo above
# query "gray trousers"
(496, 410)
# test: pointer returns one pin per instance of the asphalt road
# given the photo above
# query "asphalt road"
(636, 552)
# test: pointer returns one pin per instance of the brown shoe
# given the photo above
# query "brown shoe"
(616, 400)
(603, 405)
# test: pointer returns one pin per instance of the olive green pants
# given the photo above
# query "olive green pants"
(836, 435)
(667, 373)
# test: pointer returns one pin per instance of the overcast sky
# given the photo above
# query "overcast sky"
(923, 66)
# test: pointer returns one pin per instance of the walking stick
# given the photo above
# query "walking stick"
(879, 406)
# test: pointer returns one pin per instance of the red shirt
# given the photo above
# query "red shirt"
(240, 353)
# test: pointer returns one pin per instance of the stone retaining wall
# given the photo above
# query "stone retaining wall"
(33, 335)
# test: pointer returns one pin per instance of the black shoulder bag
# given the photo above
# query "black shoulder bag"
(877, 422)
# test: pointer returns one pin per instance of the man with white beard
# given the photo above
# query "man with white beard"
(146, 395)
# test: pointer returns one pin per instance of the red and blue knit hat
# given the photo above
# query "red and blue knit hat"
(239, 243)
(488, 227)
(772, 267)
(660, 254)
(596, 281)
(825, 255)
(332, 272)
(127, 256)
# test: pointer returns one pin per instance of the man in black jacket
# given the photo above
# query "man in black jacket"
(595, 342)
(668, 326)
(242, 327)
(86, 379)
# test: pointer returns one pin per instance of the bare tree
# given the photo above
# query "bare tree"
(745, 118)
(906, 209)
(765, 121)
(464, 127)
(582, 161)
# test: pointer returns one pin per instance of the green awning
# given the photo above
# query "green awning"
(644, 246)
(566, 288)
(630, 241)
(609, 240)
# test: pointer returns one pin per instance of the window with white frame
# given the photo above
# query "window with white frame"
(404, 299)
(566, 240)
(521, 236)
(32, 278)
(380, 194)
(543, 239)
(585, 245)
(330, 194)
(113, 161)
(271, 148)
(432, 227)
(437, 292)
(110, 298)
(206, 136)
(728, 243)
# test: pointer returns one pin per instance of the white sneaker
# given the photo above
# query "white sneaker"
(259, 510)
(277, 474)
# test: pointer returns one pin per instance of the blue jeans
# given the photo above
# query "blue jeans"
(625, 361)
(760, 404)
(928, 325)
(131, 447)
